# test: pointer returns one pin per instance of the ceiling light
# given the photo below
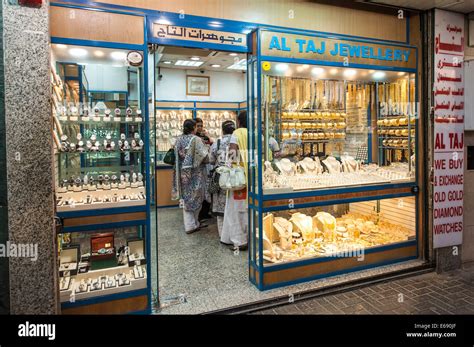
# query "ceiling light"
(333, 71)
(317, 71)
(118, 55)
(350, 73)
(401, 73)
(188, 63)
(215, 65)
(281, 67)
(163, 21)
(302, 67)
(371, 71)
(233, 54)
(99, 54)
(378, 75)
(117, 65)
(78, 52)
(60, 45)
(215, 24)
(194, 58)
(167, 62)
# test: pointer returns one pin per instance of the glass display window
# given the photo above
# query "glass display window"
(100, 263)
(327, 127)
(338, 230)
(98, 130)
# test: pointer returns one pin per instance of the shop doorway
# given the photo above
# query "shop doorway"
(193, 273)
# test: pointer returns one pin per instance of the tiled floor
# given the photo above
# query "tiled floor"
(448, 293)
(211, 276)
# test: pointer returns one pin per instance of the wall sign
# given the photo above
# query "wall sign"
(165, 31)
(335, 50)
(449, 129)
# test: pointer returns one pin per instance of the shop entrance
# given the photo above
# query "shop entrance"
(195, 272)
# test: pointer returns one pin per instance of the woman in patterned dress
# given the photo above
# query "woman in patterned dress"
(188, 182)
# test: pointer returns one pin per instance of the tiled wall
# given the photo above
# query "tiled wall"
(4, 287)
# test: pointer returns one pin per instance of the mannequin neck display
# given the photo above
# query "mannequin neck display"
(311, 166)
(332, 164)
(350, 164)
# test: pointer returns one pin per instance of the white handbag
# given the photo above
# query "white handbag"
(231, 178)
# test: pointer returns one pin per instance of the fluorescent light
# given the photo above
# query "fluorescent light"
(99, 54)
(117, 65)
(194, 58)
(350, 73)
(215, 65)
(401, 73)
(233, 54)
(118, 55)
(333, 71)
(78, 52)
(167, 62)
(188, 63)
(378, 75)
(240, 65)
(60, 45)
(281, 67)
(317, 71)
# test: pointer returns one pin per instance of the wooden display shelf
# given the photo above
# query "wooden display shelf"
(119, 306)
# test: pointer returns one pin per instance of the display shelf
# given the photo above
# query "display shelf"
(99, 152)
(101, 123)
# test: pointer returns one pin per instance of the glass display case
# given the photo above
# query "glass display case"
(100, 148)
(327, 231)
(102, 172)
(339, 192)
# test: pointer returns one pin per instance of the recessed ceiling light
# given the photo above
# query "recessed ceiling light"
(333, 71)
(99, 54)
(188, 63)
(378, 74)
(194, 58)
(233, 54)
(163, 21)
(118, 55)
(401, 73)
(78, 52)
(60, 45)
(317, 71)
(350, 73)
(215, 65)
(167, 62)
(215, 24)
(281, 67)
(117, 65)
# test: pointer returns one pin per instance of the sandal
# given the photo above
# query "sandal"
(192, 231)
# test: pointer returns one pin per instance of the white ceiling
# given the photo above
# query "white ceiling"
(208, 57)
(464, 6)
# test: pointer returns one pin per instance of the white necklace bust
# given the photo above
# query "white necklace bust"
(286, 167)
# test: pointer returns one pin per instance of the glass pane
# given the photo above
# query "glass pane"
(331, 127)
(337, 230)
(98, 129)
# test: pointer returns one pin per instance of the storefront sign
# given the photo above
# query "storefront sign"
(164, 31)
(449, 129)
(334, 50)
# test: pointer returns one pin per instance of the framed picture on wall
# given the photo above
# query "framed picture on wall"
(197, 85)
